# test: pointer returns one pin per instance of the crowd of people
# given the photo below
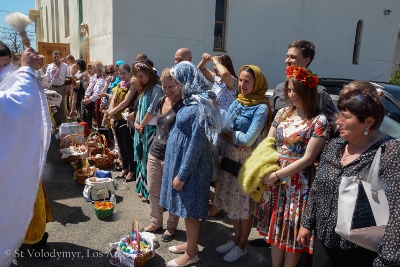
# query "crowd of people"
(166, 124)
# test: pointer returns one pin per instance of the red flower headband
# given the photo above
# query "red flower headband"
(303, 75)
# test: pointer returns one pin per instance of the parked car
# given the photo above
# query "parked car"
(388, 126)
(390, 94)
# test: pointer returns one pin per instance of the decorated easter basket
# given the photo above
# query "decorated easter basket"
(93, 139)
(103, 158)
(135, 249)
(72, 147)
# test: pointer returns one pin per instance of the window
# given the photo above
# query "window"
(357, 42)
(219, 28)
(66, 17)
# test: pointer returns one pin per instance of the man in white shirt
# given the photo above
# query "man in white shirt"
(56, 73)
(26, 134)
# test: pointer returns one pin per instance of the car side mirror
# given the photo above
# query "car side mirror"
(394, 116)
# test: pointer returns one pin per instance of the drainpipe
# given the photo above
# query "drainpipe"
(79, 28)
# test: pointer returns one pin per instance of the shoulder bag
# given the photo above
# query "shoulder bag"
(363, 210)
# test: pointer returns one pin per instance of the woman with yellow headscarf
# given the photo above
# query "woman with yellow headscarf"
(249, 116)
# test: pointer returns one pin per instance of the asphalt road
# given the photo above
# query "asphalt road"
(78, 238)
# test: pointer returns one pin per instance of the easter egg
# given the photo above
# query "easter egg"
(127, 250)
(123, 248)
(134, 243)
(122, 244)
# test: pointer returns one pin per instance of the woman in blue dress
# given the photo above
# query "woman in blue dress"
(188, 162)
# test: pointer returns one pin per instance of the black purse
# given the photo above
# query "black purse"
(230, 166)
(139, 150)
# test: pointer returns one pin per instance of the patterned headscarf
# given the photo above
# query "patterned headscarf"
(196, 91)
(257, 96)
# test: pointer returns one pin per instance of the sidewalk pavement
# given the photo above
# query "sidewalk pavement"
(79, 238)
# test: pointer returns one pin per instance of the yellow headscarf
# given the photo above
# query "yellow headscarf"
(257, 96)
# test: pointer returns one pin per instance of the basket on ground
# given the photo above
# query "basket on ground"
(103, 209)
(81, 175)
(103, 158)
(134, 250)
(72, 147)
(93, 139)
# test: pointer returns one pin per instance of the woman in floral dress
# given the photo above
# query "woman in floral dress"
(300, 132)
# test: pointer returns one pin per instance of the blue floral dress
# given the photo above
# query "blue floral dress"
(280, 210)
(187, 156)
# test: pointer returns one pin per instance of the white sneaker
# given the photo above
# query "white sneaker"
(225, 248)
(235, 254)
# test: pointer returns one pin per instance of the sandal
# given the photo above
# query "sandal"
(130, 177)
(143, 199)
(123, 174)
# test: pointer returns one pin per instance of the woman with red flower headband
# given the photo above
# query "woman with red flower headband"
(300, 132)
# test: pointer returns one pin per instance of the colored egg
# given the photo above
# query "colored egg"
(134, 243)
(123, 248)
(122, 244)
(127, 250)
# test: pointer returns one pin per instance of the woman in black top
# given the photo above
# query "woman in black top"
(166, 109)
(360, 115)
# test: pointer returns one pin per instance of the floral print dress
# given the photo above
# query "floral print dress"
(280, 210)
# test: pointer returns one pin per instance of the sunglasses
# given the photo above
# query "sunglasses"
(109, 72)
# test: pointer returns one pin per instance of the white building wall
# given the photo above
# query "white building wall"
(257, 32)
(159, 27)
(98, 15)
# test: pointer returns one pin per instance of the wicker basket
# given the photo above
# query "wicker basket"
(81, 175)
(141, 258)
(104, 214)
(107, 157)
(69, 140)
(92, 139)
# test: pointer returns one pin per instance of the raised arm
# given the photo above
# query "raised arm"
(203, 67)
(224, 74)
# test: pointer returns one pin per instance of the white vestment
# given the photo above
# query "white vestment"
(24, 140)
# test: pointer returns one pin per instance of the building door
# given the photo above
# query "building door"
(46, 49)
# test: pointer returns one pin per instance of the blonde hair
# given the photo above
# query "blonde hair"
(70, 58)
(97, 66)
(42, 61)
(166, 74)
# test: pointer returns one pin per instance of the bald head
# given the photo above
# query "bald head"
(183, 54)
(30, 58)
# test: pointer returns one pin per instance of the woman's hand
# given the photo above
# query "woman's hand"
(176, 184)
(87, 101)
(206, 57)
(138, 128)
(270, 179)
(103, 95)
(304, 236)
(72, 113)
(131, 116)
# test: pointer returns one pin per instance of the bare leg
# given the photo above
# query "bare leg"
(237, 230)
(277, 255)
(291, 259)
(192, 234)
(245, 228)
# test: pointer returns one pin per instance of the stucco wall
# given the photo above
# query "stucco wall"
(257, 32)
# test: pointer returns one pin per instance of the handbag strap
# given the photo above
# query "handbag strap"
(377, 198)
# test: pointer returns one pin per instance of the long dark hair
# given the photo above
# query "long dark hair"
(308, 98)
(227, 62)
(148, 70)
